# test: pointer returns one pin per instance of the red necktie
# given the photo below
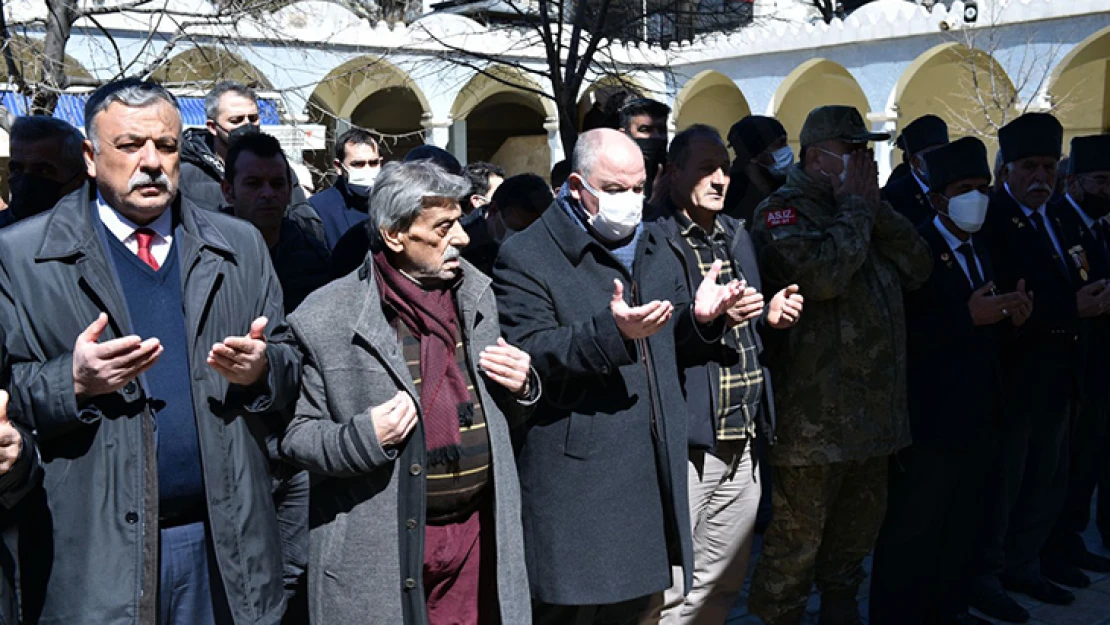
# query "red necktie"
(145, 236)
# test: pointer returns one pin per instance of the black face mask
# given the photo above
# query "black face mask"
(655, 156)
(241, 131)
(1096, 206)
(32, 194)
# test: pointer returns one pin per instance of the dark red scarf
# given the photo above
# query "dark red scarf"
(431, 317)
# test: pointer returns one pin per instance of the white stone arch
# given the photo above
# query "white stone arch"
(817, 82)
(710, 98)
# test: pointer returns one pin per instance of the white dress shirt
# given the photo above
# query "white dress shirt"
(1047, 223)
(953, 243)
(124, 230)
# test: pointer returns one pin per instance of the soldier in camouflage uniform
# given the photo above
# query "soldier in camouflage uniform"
(840, 374)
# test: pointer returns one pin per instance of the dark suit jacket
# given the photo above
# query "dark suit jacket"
(906, 196)
(1039, 357)
(700, 376)
(1094, 334)
(954, 376)
(603, 459)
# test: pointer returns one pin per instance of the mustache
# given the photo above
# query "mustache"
(1039, 186)
(451, 253)
(143, 179)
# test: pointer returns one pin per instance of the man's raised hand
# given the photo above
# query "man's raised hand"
(102, 368)
(638, 322)
(11, 442)
(712, 300)
(242, 359)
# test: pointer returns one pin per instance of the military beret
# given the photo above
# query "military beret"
(962, 159)
(1032, 134)
(836, 122)
(750, 136)
(1089, 154)
(924, 132)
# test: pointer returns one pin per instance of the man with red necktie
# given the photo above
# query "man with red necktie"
(147, 349)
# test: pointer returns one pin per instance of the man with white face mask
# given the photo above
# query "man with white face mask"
(954, 383)
(357, 163)
(839, 390)
(763, 157)
(599, 302)
(1028, 241)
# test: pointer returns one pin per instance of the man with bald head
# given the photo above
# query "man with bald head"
(600, 304)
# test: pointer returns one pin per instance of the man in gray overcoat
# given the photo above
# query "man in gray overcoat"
(404, 417)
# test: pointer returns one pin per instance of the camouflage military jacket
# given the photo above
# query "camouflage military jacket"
(840, 374)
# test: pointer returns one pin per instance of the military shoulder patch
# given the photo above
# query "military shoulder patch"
(783, 217)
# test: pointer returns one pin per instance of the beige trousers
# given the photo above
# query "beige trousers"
(724, 499)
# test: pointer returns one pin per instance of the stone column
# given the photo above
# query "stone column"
(554, 141)
(457, 144)
(887, 122)
(437, 131)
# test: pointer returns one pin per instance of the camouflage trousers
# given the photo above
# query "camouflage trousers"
(824, 522)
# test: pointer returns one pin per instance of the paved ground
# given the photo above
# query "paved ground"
(1091, 607)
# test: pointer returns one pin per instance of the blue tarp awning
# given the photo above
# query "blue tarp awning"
(71, 108)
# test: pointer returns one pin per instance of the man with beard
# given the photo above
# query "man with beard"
(645, 121)
(1085, 202)
(357, 163)
(762, 160)
(909, 194)
(46, 164)
(1028, 241)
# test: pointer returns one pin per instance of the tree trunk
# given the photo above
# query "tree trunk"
(61, 15)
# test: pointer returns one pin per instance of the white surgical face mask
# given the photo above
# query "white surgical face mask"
(362, 177)
(843, 157)
(618, 214)
(784, 158)
(968, 210)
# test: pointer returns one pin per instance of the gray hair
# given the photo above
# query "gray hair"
(586, 152)
(42, 127)
(130, 92)
(212, 100)
(682, 145)
(399, 192)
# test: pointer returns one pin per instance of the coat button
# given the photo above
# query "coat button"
(410, 583)
(131, 517)
(415, 469)
(411, 524)
(131, 387)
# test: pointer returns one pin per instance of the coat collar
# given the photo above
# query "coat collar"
(570, 236)
(370, 326)
(71, 229)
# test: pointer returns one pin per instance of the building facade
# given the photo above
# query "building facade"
(327, 69)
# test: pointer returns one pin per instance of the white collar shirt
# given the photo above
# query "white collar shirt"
(124, 230)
